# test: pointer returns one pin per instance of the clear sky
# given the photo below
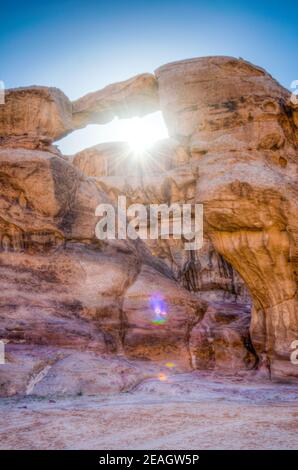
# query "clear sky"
(81, 46)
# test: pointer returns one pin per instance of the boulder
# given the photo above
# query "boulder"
(34, 117)
(221, 341)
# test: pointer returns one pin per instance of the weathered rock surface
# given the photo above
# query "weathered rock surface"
(34, 117)
(221, 341)
(164, 174)
(162, 336)
(63, 288)
(43, 370)
(235, 121)
(72, 304)
(134, 97)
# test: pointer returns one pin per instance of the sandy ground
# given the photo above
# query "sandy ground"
(186, 411)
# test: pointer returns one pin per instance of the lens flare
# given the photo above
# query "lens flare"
(159, 308)
(159, 321)
(162, 377)
(170, 365)
(142, 133)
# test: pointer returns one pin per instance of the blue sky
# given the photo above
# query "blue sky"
(81, 46)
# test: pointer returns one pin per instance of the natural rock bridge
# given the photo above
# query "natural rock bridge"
(73, 306)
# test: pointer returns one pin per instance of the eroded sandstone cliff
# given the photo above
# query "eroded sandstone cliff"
(238, 125)
(76, 312)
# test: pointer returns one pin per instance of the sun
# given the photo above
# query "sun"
(139, 132)
(142, 133)
(140, 140)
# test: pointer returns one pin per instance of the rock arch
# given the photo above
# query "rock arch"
(233, 147)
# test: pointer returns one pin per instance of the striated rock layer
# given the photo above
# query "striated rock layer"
(238, 125)
(72, 304)
(63, 288)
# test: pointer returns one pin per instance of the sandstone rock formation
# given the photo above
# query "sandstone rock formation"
(235, 121)
(221, 341)
(34, 117)
(136, 96)
(70, 299)
(63, 288)
(164, 174)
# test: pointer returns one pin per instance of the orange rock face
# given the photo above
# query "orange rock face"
(33, 117)
(238, 125)
(134, 97)
(72, 303)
